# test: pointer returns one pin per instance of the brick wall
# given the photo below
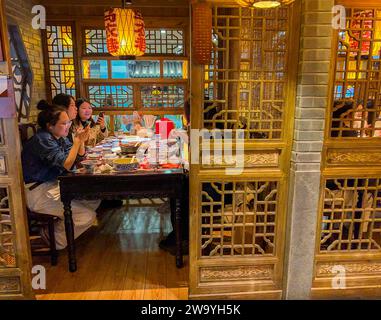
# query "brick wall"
(19, 12)
(311, 104)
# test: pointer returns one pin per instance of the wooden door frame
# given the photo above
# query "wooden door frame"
(15, 282)
(267, 289)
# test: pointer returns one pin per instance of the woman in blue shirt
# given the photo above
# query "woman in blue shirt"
(47, 155)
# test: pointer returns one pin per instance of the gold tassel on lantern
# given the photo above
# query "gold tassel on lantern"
(125, 32)
(202, 32)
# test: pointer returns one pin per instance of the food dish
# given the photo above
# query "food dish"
(125, 164)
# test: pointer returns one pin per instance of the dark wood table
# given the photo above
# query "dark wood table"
(171, 183)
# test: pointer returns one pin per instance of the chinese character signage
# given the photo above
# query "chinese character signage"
(125, 32)
(364, 29)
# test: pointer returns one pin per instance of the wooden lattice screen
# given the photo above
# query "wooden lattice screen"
(239, 219)
(349, 224)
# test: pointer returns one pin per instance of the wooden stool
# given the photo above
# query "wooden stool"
(37, 222)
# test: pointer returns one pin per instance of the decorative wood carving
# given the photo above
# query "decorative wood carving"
(9, 285)
(264, 272)
(352, 268)
(267, 159)
(337, 157)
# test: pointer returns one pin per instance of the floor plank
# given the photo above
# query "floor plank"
(119, 259)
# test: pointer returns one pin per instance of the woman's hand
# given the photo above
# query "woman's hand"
(101, 122)
(82, 135)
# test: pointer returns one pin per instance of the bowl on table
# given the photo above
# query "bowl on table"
(129, 148)
(96, 149)
(89, 165)
(125, 164)
(93, 156)
(109, 158)
(122, 136)
(107, 149)
(107, 144)
(115, 143)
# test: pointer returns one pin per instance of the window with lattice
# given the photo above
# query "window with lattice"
(356, 107)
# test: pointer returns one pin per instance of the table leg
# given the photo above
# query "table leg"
(69, 229)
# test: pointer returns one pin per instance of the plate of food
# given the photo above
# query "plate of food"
(125, 164)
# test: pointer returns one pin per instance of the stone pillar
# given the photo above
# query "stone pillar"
(311, 104)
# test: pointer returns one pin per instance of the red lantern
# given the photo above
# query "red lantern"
(202, 32)
(125, 32)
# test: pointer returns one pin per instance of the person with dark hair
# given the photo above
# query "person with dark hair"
(98, 130)
(47, 155)
(68, 102)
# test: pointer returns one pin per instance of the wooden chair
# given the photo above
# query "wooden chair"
(24, 129)
(38, 221)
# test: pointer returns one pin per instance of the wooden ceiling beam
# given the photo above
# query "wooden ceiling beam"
(116, 3)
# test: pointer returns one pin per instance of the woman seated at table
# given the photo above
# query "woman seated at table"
(98, 130)
(68, 102)
(47, 155)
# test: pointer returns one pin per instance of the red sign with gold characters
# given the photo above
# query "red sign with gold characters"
(125, 32)
(140, 40)
(111, 31)
(362, 30)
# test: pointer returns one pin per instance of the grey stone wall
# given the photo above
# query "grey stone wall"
(311, 103)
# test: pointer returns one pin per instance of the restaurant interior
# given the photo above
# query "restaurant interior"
(129, 91)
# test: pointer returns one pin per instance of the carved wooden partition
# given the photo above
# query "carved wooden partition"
(348, 244)
(15, 260)
(238, 221)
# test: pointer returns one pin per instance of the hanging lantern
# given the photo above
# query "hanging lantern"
(262, 4)
(125, 32)
(202, 32)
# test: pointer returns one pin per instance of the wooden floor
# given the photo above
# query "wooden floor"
(119, 259)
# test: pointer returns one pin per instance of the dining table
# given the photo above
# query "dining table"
(157, 182)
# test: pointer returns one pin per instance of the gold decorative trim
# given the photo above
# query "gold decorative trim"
(353, 157)
(268, 159)
(353, 268)
(10, 285)
(264, 272)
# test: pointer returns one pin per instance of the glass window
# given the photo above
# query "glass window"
(61, 59)
(135, 69)
(95, 40)
(175, 69)
(158, 41)
(95, 69)
(165, 41)
(162, 96)
(110, 96)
